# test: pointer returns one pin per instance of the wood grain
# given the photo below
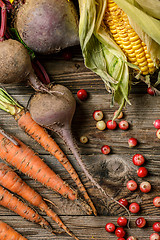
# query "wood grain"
(111, 171)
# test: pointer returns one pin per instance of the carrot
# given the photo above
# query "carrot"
(8, 233)
(11, 202)
(10, 180)
(37, 132)
(27, 161)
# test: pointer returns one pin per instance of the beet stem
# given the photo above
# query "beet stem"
(3, 20)
(47, 80)
(67, 136)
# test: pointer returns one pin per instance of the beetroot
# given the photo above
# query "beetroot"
(47, 26)
(55, 112)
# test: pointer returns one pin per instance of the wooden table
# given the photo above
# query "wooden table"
(111, 171)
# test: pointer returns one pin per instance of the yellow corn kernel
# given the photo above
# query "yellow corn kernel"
(127, 39)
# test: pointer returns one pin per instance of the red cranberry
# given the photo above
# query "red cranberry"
(110, 227)
(120, 114)
(138, 159)
(132, 142)
(123, 201)
(82, 94)
(98, 115)
(150, 91)
(131, 238)
(154, 236)
(121, 239)
(131, 185)
(105, 149)
(124, 125)
(111, 125)
(140, 222)
(157, 123)
(134, 207)
(158, 133)
(156, 201)
(120, 232)
(142, 172)
(145, 187)
(122, 221)
(101, 125)
(156, 226)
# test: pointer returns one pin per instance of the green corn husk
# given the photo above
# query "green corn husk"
(103, 56)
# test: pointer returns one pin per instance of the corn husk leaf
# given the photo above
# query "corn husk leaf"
(101, 54)
(151, 7)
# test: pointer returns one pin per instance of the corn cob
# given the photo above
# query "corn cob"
(124, 35)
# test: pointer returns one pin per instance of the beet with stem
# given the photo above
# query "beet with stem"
(47, 26)
(55, 112)
(14, 59)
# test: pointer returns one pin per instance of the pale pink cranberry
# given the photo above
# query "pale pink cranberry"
(101, 125)
(120, 114)
(154, 236)
(131, 238)
(131, 185)
(158, 133)
(156, 201)
(98, 115)
(145, 187)
(83, 139)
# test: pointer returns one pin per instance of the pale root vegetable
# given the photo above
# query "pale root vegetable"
(24, 120)
(10, 180)
(8, 233)
(55, 112)
(47, 26)
(28, 162)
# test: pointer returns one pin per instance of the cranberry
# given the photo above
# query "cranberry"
(120, 232)
(145, 187)
(142, 172)
(122, 221)
(138, 159)
(158, 133)
(110, 227)
(101, 125)
(121, 239)
(123, 201)
(156, 201)
(154, 236)
(134, 207)
(131, 185)
(156, 226)
(105, 149)
(132, 142)
(98, 115)
(157, 123)
(82, 94)
(150, 91)
(83, 139)
(124, 125)
(131, 238)
(111, 125)
(140, 222)
(120, 114)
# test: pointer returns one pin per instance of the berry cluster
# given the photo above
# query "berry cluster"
(156, 124)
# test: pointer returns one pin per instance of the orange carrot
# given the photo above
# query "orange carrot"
(8, 233)
(10, 180)
(27, 161)
(11, 202)
(25, 121)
